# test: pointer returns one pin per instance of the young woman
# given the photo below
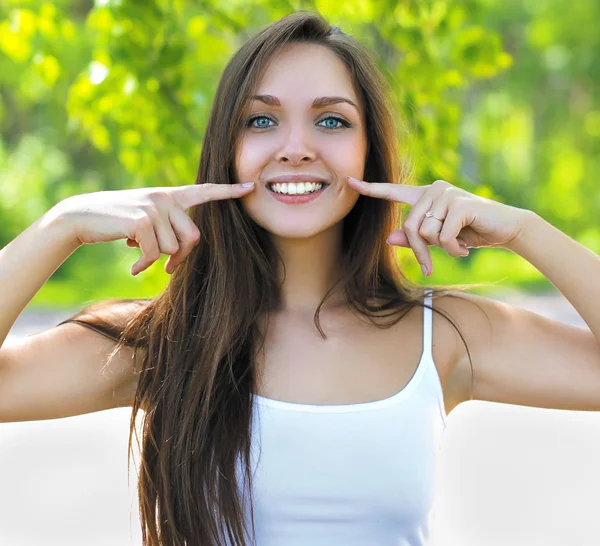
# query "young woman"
(293, 391)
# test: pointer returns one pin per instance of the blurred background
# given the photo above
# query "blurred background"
(499, 97)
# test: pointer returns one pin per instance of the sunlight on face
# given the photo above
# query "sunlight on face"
(297, 138)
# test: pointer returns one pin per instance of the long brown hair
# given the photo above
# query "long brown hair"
(197, 339)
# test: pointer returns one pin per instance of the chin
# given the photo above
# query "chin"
(291, 230)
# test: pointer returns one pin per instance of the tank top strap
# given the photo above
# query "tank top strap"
(428, 353)
(427, 324)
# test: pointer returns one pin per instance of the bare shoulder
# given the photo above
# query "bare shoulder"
(474, 316)
(125, 361)
(62, 372)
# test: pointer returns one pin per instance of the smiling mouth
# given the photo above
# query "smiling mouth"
(303, 188)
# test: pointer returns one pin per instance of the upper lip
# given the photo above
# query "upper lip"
(296, 178)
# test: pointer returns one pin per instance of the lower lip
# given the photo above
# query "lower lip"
(297, 199)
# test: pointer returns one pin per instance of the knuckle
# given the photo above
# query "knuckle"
(171, 249)
(410, 225)
(154, 255)
(160, 197)
(425, 231)
(189, 242)
(149, 210)
(209, 187)
(210, 191)
(451, 192)
(143, 221)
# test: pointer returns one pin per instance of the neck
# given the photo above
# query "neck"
(312, 266)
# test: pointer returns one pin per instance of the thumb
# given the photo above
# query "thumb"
(398, 238)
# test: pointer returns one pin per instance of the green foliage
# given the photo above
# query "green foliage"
(498, 97)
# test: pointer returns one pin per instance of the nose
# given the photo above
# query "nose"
(296, 149)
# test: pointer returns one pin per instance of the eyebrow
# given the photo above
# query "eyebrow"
(319, 102)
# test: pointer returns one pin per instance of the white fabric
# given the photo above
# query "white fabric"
(344, 475)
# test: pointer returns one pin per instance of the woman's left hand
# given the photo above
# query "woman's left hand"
(463, 220)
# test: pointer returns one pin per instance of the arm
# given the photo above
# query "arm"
(523, 358)
(65, 370)
(27, 262)
(567, 264)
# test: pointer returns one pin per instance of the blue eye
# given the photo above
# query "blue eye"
(249, 124)
(339, 120)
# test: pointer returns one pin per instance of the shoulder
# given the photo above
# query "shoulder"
(109, 318)
(100, 325)
(474, 316)
(473, 312)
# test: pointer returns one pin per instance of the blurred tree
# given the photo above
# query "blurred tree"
(533, 134)
(497, 97)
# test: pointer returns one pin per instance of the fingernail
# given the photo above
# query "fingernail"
(247, 184)
(352, 179)
(424, 269)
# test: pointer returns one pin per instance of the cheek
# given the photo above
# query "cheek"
(252, 155)
(248, 159)
(346, 156)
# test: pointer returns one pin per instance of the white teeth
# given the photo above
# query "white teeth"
(296, 189)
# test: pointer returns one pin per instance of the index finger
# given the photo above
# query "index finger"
(196, 194)
(403, 193)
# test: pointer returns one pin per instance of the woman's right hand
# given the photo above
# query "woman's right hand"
(152, 219)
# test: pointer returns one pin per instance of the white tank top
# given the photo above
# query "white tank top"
(355, 474)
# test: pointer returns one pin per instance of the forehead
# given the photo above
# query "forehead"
(303, 70)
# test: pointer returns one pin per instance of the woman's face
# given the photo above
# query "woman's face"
(285, 134)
